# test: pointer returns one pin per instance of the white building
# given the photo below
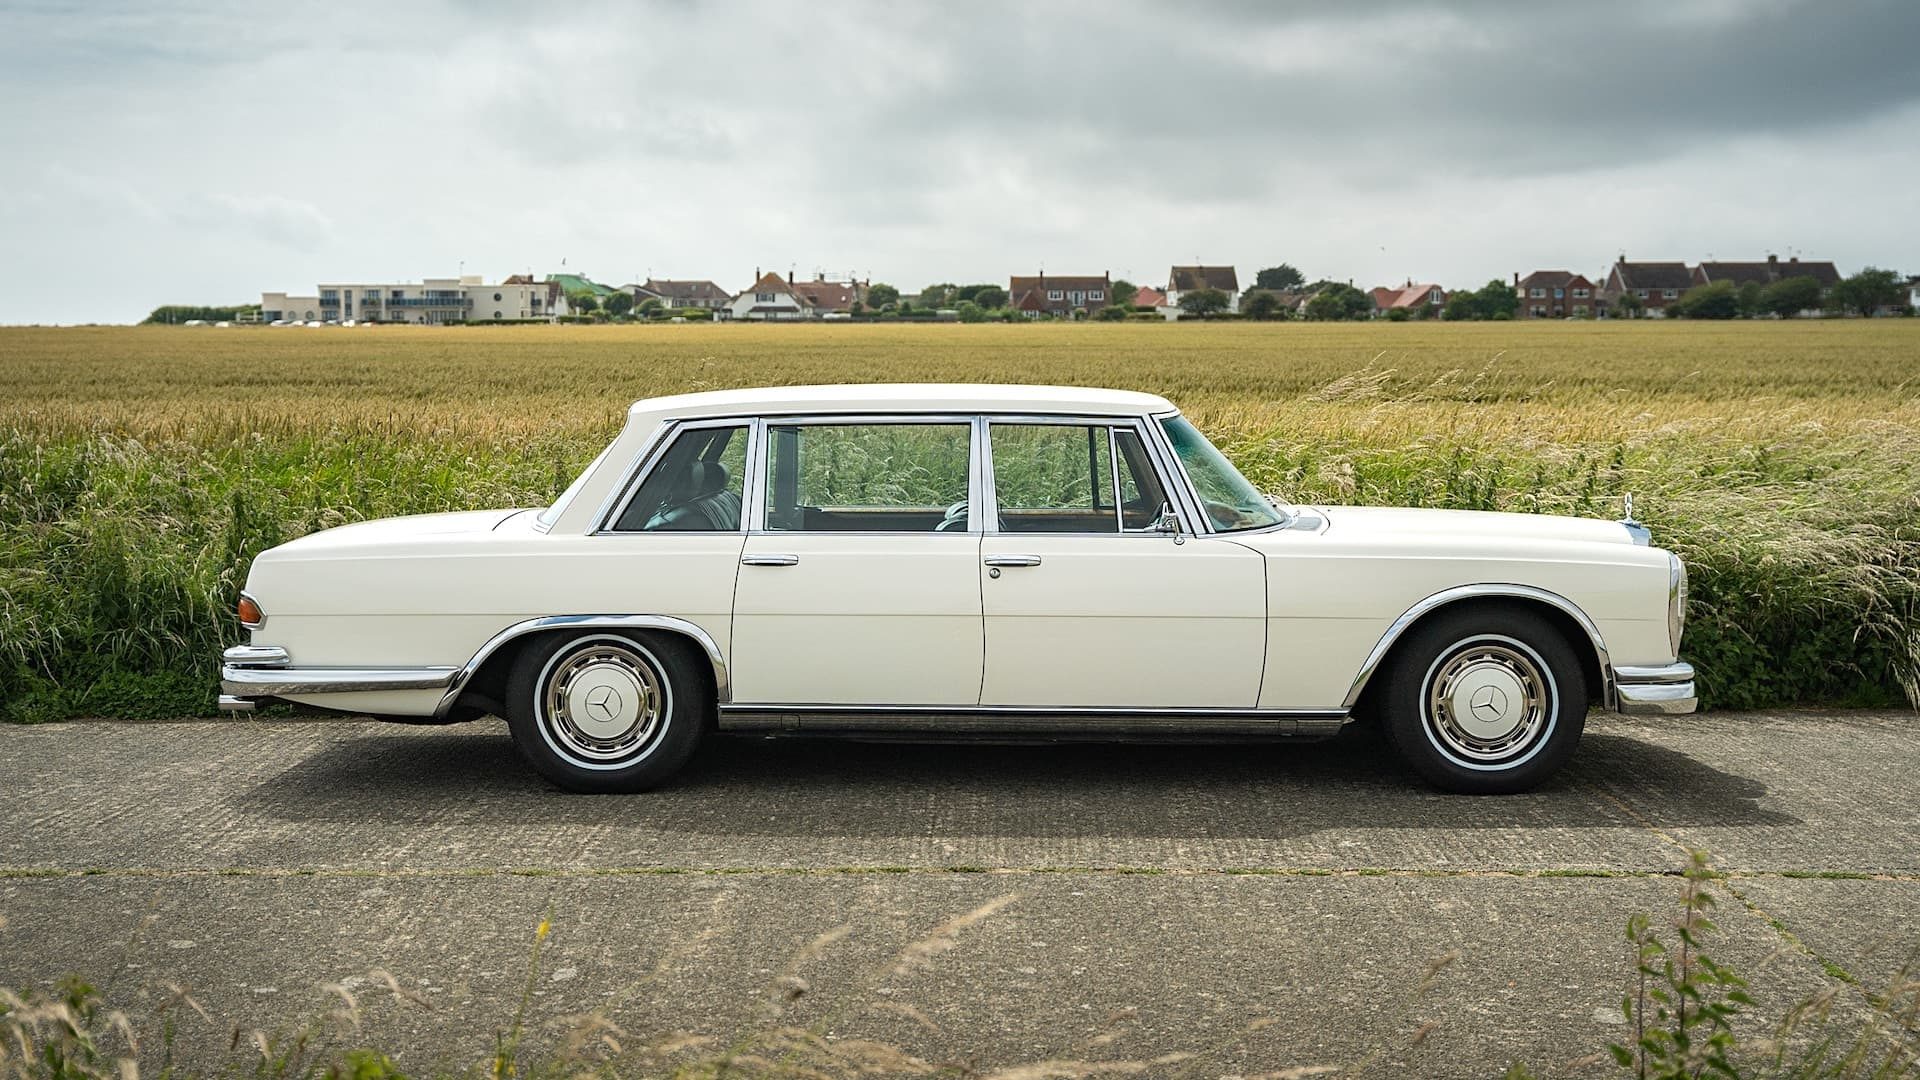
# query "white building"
(769, 297)
(1186, 279)
(435, 301)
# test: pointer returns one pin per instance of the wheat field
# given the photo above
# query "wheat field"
(140, 468)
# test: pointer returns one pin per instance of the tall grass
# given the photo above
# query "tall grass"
(140, 469)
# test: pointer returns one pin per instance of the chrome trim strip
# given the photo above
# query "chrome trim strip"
(648, 460)
(1678, 672)
(1006, 720)
(1466, 592)
(723, 690)
(1659, 691)
(293, 682)
(769, 560)
(256, 656)
(607, 512)
(1197, 521)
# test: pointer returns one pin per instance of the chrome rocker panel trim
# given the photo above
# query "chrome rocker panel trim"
(998, 720)
(1658, 691)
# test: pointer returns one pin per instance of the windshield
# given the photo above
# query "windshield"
(1231, 503)
(552, 513)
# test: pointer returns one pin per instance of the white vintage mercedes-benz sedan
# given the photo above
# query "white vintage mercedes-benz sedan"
(998, 562)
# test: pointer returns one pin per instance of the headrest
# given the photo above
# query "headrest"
(703, 478)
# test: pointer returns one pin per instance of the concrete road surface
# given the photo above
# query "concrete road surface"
(1262, 908)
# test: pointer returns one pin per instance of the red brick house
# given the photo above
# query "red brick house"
(1555, 294)
(1058, 296)
(1409, 297)
(1654, 284)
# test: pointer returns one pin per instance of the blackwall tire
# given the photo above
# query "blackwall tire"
(606, 712)
(1486, 701)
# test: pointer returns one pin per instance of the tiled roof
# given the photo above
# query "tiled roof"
(827, 295)
(1148, 296)
(1404, 296)
(1769, 271)
(1049, 282)
(685, 290)
(1188, 278)
(1653, 275)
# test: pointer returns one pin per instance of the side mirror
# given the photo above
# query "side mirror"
(1168, 521)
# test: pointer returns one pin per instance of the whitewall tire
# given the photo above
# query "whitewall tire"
(604, 711)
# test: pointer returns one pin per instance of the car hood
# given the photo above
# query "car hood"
(385, 532)
(1364, 522)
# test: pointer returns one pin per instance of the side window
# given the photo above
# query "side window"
(696, 487)
(867, 477)
(1063, 478)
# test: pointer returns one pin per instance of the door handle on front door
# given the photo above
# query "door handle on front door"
(1012, 560)
(769, 560)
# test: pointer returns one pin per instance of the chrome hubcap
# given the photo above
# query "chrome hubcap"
(603, 702)
(1486, 701)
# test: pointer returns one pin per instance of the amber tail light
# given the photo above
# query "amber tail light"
(250, 614)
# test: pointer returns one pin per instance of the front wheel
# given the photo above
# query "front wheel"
(1485, 702)
(605, 712)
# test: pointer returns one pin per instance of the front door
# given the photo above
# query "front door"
(859, 582)
(1087, 603)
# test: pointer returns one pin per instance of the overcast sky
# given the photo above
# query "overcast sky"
(202, 153)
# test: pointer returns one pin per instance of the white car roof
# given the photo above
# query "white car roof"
(903, 397)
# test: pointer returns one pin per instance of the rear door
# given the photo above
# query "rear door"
(859, 581)
(1086, 603)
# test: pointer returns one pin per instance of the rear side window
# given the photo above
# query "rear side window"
(696, 487)
(867, 477)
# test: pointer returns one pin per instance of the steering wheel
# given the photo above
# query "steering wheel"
(956, 518)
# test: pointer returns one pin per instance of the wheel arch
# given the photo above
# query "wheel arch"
(1566, 616)
(489, 664)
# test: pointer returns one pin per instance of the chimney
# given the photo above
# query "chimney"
(756, 273)
(1516, 279)
(1774, 261)
(789, 277)
(1795, 259)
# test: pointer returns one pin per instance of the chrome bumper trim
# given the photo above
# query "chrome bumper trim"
(252, 673)
(1662, 691)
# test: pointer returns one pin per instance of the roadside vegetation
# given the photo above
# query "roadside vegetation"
(142, 468)
(1683, 1016)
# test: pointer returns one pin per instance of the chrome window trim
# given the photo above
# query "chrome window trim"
(756, 520)
(1140, 426)
(650, 459)
(1159, 445)
(1467, 592)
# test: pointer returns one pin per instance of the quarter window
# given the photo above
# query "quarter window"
(1063, 478)
(696, 487)
(867, 477)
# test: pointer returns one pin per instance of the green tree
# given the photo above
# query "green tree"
(1866, 292)
(1339, 302)
(1262, 304)
(939, 295)
(1113, 312)
(582, 302)
(971, 312)
(618, 304)
(1203, 302)
(1280, 277)
(1497, 299)
(651, 307)
(1629, 305)
(1791, 296)
(1717, 300)
(882, 296)
(988, 296)
(1749, 294)
(1462, 306)
(1121, 291)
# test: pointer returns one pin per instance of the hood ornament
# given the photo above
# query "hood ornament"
(1640, 533)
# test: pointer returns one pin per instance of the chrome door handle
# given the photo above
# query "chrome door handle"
(769, 560)
(1013, 560)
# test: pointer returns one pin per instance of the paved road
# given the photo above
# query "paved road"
(1162, 900)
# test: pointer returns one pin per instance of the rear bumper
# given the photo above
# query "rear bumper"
(1662, 691)
(252, 674)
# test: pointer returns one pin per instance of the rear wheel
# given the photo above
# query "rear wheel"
(1485, 701)
(606, 712)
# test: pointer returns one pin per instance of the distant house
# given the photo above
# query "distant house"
(1654, 284)
(1149, 297)
(770, 297)
(1186, 279)
(1913, 293)
(1766, 273)
(674, 293)
(1555, 294)
(1410, 298)
(1058, 296)
(1290, 300)
(822, 297)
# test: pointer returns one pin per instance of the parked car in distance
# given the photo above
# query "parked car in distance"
(1006, 562)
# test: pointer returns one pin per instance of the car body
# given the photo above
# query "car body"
(951, 560)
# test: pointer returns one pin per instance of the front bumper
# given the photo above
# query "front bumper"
(1663, 691)
(252, 674)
